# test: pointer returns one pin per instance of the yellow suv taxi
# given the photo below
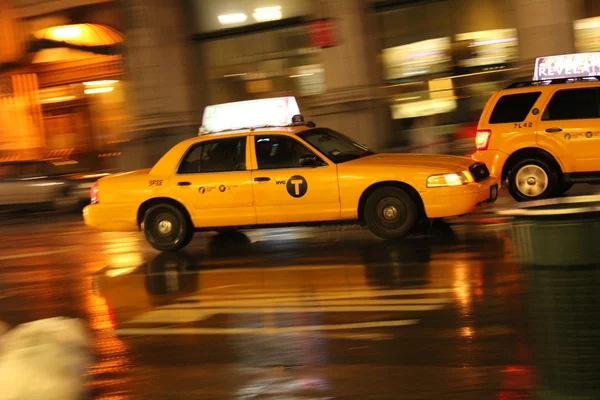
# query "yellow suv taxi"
(543, 136)
(282, 174)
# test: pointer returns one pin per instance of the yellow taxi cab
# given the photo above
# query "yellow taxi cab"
(257, 164)
(543, 136)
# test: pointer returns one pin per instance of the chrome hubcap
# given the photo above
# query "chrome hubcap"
(390, 213)
(165, 227)
(531, 180)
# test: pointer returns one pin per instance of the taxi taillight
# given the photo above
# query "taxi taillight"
(94, 193)
(482, 139)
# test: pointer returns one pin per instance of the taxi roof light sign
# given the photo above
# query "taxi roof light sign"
(278, 111)
(579, 65)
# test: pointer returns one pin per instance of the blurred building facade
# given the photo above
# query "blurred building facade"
(123, 80)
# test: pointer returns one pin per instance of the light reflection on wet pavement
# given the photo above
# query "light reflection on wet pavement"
(291, 313)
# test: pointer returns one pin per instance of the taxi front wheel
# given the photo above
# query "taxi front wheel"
(391, 213)
(166, 228)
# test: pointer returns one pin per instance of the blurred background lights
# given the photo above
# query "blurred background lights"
(100, 83)
(99, 90)
(263, 14)
(232, 18)
(65, 32)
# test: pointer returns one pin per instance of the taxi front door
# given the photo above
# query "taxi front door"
(287, 192)
(572, 121)
(215, 185)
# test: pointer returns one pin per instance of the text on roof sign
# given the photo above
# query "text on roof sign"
(566, 66)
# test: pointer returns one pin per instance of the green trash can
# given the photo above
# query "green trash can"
(558, 244)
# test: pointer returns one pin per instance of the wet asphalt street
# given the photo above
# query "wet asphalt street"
(303, 313)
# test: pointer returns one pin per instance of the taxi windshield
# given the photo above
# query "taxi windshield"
(337, 147)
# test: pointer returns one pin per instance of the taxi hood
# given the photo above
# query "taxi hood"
(423, 161)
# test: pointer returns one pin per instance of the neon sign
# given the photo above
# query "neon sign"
(276, 111)
(567, 66)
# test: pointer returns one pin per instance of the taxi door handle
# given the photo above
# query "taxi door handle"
(262, 179)
(552, 130)
(184, 183)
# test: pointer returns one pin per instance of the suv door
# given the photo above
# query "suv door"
(213, 182)
(572, 121)
(285, 191)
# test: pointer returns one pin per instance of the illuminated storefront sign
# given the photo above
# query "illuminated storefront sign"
(423, 108)
(419, 58)
(491, 47)
(567, 66)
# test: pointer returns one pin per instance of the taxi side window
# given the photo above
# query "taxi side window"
(513, 107)
(278, 151)
(573, 104)
(221, 155)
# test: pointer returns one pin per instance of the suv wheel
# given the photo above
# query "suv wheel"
(166, 228)
(533, 179)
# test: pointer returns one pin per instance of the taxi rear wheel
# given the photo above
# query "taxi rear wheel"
(166, 228)
(391, 213)
(533, 179)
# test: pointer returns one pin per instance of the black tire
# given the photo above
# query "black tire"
(533, 185)
(395, 226)
(176, 231)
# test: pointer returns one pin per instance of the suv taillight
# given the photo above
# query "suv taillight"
(94, 193)
(482, 139)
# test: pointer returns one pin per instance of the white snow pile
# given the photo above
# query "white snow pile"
(45, 359)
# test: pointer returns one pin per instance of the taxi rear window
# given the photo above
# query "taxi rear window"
(513, 107)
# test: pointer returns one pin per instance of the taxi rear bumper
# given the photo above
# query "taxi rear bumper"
(460, 200)
(111, 217)
(493, 159)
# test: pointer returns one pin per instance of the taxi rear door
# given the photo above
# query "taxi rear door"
(285, 191)
(214, 183)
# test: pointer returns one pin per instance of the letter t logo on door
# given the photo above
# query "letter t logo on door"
(297, 183)
(296, 186)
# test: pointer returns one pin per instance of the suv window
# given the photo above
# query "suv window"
(278, 151)
(513, 107)
(573, 104)
(219, 155)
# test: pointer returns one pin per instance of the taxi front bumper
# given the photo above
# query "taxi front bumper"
(111, 217)
(459, 200)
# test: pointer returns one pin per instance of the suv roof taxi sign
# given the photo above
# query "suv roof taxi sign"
(566, 66)
(277, 111)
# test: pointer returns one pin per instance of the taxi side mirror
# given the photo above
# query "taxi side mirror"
(308, 161)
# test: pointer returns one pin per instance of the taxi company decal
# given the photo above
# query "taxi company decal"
(297, 186)
(204, 189)
(222, 188)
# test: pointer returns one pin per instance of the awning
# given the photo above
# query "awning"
(90, 38)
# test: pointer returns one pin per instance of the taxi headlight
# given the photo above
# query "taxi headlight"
(457, 179)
